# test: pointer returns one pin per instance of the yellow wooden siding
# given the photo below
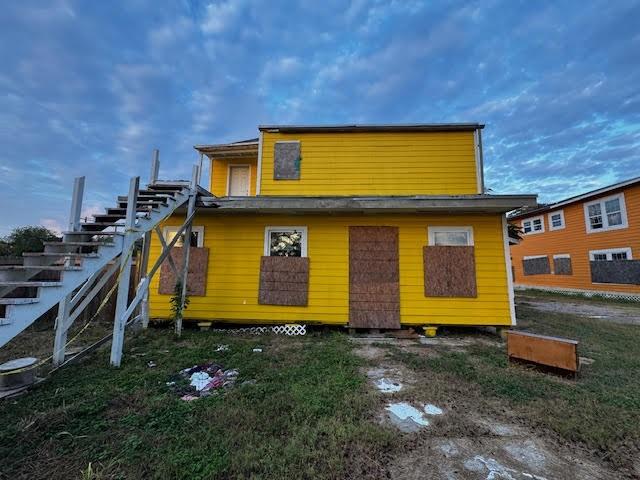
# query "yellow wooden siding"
(236, 244)
(220, 173)
(376, 164)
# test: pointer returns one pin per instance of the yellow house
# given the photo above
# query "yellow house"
(367, 226)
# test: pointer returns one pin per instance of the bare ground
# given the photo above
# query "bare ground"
(474, 438)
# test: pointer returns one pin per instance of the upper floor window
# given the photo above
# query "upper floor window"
(451, 236)
(604, 214)
(533, 225)
(285, 242)
(556, 220)
(610, 254)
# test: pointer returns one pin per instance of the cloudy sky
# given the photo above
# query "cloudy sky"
(90, 88)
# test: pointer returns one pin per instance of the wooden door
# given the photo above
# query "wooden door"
(374, 277)
(239, 180)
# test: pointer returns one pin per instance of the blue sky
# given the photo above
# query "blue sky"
(90, 88)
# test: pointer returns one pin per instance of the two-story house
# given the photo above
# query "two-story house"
(370, 226)
(587, 243)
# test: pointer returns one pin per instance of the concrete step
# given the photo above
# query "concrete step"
(60, 254)
(54, 268)
(79, 244)
(30, 284)
(18, 301)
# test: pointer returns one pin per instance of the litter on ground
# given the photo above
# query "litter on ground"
(406, 417)
(202, 381)
(222, 348)
(257, 350)
(388, 386)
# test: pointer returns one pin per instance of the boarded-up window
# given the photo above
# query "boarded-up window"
(536, 266)
(286, 161)
(562, 265)
(196, 277)
(625, 272)
(284, 281)
(449, 271)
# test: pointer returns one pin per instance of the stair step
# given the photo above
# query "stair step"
(147, 198)
(30, 284)
(54, 268)
(139, 204)
(18, 301)
(93, 233)
(60, 254)
(93, 226)
(80, 244)
(116, 211)
(108, 217)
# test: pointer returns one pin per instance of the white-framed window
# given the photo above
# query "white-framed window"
(608, 213)
(285, 241)
(610, 254)
(556, 220)
(450, 236)
(533, 225)
(562, 255)
(197, 236)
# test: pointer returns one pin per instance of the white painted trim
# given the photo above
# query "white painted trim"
(531, 257)
(288, 141)
(594, 193)
(562, 255)
(477, 158)
(577, 291)
(609, 251)
(234, 165)
(451, 228)
(286, 228)
(550, 222)
(259, 172)
(199, 230)
(603, 212)
(531, 219)
(508, 269)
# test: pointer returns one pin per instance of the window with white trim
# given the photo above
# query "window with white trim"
(610, 254)
(556, 220)
(533, 225)
(450, 236)
(197, 236)
(608, 213)
(285, 242)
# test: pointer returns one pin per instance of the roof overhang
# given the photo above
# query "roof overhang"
(243, 149)
(381, 204)
(411, 127)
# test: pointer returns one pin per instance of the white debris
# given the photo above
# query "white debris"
(222, 348)
(257, 350)
(431, 409)
(406, 417)
(388, 386)
(496, 470)
(199, 380)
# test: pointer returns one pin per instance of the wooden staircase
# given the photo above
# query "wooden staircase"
(87, 252)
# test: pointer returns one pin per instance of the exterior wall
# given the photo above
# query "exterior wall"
(386, 163)
(236, 243)
(220, 173)
(575, 241)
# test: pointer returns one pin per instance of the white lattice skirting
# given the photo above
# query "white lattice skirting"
(583, 293)
(290, 329)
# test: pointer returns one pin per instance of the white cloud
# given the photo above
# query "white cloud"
(221, 16)
(52, 224)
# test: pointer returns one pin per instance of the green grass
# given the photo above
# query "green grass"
(601, 410)
(595, 298)
(308, 415)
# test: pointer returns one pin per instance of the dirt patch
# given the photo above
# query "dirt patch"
(445, 429)
(626, 314)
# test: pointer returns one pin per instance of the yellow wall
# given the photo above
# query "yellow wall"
(387, 163)
(220, 172)
(236, 244)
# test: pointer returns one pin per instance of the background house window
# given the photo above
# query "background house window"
(197, 236)
(610, 254)
(285, 242)
(605, 214)
(533, 225)
(451, 236)
(556, 220)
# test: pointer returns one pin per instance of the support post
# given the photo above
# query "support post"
(125, 274)
(200, 169)
(60, 340)
(186, 244)
(76, 204)
(155, 166)
(144, 265)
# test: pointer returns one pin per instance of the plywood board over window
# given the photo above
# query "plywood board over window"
(562, 265)
(538, 265)
(624, 272)
(284, 281)
(449, 271)
(286, 164)
(196, 276)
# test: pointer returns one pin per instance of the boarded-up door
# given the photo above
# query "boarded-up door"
(374, 277)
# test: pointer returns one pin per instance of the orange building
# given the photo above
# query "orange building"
(589, 243)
